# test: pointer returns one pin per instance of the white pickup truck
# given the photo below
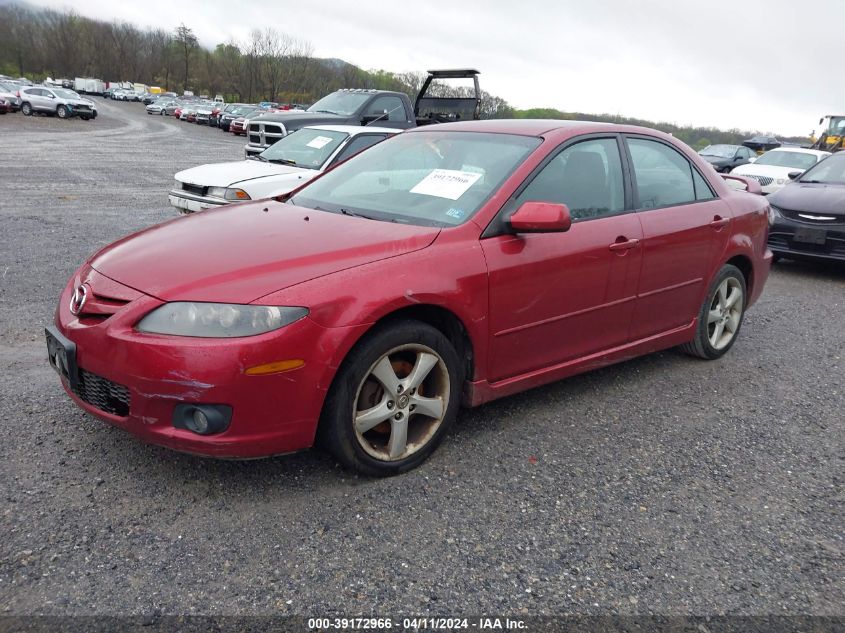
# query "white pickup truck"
(293, 161)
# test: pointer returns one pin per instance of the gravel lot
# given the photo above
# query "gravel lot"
(663, 485)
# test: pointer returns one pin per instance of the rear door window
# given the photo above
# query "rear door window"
(663, 177)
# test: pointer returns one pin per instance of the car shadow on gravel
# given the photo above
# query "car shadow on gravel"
(522, 418)
(835, 271)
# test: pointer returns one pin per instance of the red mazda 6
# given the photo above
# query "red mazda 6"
(451, 264)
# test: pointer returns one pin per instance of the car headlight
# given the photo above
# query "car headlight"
(781, 181)
(217, 320)
(228, 194)
(774, 214)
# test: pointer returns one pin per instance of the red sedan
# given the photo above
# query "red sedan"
(238, 127)
(451, 264)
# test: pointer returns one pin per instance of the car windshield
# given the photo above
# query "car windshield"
(720, 151)
(344, 103)
(65, 94)
(830, 171)
(427, 178)
(778, 158)
(306, 147)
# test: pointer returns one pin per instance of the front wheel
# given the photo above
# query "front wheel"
(393, 399)
(721, 315)
(26, 108)
(61, 112)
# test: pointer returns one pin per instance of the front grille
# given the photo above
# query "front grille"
(102, 393)
(83, 108)
(196, 189)
(813, 218)
(255, 138)
(272, 130)
(763, 180)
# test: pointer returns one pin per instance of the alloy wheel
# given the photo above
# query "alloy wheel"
(401, 402)
(725, 313)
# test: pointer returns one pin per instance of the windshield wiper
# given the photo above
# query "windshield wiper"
(281, 161)
(326, 112)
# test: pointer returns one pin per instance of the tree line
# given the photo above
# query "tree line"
(268, 65)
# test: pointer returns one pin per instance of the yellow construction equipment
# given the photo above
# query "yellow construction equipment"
(830, 136)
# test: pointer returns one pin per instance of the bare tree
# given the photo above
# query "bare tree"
(187, 43)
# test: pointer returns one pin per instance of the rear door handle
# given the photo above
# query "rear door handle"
(624, 245)
(718, 222)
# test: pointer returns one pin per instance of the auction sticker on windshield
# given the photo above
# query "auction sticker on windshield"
(446, 183)
(319, 142)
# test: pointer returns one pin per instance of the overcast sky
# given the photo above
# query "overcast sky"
(769, 65)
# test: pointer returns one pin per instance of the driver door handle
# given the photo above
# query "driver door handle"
(621, 244)
(718, 222)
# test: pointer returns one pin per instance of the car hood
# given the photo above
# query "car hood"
(239, 253)
(225, 174)
(772, 171)
(815, 198)
(295, 119)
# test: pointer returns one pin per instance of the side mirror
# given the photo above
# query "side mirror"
(751, 185)
(541, 217)
(794, 175)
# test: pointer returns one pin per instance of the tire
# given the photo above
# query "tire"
(26, 108)
(720, 317)
(61, 112)
(372, 429)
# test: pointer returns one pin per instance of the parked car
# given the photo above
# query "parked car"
(238, 126)
(379, 107)
(9, 93)
(809, 213)
(240, 112)
(219, 110)
(203, 114)
(772, 169)
(159, 106)
(291, 162)
(62, 102)
(762, 143)
(6, 104)
(463, 262)
(725, 157)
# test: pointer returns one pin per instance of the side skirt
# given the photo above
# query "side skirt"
(481, 391)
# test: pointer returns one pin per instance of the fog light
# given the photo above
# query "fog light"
(198, 422)
(202, 419)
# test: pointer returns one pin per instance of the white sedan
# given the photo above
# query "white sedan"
(282, 167)
(772, 169)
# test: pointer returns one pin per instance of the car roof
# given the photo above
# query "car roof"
(539, 127)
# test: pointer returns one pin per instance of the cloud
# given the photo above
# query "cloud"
(754, 64)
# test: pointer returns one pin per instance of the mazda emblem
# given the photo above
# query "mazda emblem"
(80, 295)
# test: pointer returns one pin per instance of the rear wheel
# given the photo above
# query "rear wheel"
(721, 315)
(62, 112)
(393, 399)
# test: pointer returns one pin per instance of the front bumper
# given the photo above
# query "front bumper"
(190, 203)
(271, 414)
(800, 238)
(251, 149)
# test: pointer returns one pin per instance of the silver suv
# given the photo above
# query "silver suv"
(62, 102)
